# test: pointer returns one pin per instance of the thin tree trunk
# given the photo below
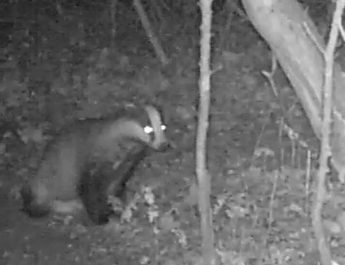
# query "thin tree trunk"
(204, 179)
(320, 196)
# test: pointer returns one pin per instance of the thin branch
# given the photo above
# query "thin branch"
(149, 32)
(204, 179)
(325, 254)
(113, 6)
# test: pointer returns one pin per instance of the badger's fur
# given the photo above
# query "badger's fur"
(99, 182)
(64, 172)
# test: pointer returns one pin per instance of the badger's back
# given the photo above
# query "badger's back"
(65, 157)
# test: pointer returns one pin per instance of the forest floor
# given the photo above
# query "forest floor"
(261, 191)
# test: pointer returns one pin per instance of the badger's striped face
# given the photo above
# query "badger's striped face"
(156, 129)
(149, 130)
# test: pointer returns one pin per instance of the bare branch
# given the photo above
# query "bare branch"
(149, 32)
(204, 179)
(319, 199)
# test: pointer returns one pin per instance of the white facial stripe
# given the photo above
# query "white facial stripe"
(148, 129)
(157, 127)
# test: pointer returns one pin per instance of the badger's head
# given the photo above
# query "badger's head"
(155, 129)
(143, 125)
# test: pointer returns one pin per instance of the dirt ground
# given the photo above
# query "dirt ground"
(261, 191)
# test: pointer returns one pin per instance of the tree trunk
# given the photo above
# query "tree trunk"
(299, 48)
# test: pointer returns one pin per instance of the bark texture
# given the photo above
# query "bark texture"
(299, 48)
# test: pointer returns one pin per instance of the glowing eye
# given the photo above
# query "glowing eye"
(163, 127)
(148, 129)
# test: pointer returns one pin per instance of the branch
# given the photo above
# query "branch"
(325, 254)
(204, 179)
(149, 32)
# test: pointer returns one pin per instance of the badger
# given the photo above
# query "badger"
(101, 181)
(65, 171)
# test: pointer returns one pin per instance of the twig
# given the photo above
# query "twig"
(317, 43)
(341, 30)
(269, 75)
(325, 254)
(149, 32)
(113, 6)
(272, 197)
(307, 179)
(204, 179)
(225, 32)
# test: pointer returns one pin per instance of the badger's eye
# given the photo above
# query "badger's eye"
(163, 127)
(148, 129)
